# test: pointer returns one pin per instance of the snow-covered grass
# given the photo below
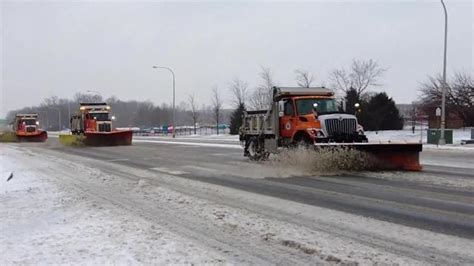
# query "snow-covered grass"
(44, 223)
(409, 136)
(405, 135)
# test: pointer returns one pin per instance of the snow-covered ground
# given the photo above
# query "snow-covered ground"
(405, 135)
(44, 222)
(60, 208)
(409, 136)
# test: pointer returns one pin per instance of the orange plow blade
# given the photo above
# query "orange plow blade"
(114, 138)
(40, 136)
(397, 156)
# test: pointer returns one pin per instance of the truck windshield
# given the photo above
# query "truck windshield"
(29, 122)
(100, 116)
(305, 106)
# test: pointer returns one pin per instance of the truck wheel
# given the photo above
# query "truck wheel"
(303, 142)
(254, 150)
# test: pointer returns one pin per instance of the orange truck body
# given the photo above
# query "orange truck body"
(94, 122)
(311, 117)
(27, 128)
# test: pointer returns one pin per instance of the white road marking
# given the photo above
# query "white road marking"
(226, 154)
(217, 145)
(152, 158)
(118, 160)
(200, 168)
(169, 171)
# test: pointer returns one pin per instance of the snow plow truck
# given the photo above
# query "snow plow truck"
(311, 117)
(26, 127)
(92, 126)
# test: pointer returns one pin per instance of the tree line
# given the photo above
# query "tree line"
(144, 114)
(459, 96)
(355, 84)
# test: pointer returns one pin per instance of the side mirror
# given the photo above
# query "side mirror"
(281, 107)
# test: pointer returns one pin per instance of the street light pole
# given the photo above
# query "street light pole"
(442, 140)
(174, 96)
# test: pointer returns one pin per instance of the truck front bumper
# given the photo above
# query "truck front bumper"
(343, 138)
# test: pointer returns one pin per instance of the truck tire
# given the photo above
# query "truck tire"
(255, 149)
(302, 140)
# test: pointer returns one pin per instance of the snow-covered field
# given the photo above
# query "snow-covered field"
(405, 135)
(61, 209)
(45, 222)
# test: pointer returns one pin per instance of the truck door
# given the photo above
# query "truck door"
(288, 120)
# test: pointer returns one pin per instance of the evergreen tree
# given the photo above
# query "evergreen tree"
(351, 98)
(236, 119)
(380, 113)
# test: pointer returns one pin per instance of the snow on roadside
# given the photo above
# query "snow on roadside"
(42, 223)
(409, 136)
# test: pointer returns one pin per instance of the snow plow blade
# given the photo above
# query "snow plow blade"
(114, 138)
(40, 136)
(397, 156)
(96, 139)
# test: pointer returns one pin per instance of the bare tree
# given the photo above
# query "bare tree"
(87, 97)
(216, 106)
(238, 88)
(194, 110)
(362, 75)
(459, 95)
(262, 95)
(304, 78)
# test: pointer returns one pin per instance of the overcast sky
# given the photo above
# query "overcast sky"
(59, 48)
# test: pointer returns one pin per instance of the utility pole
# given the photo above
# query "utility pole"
(174, 97)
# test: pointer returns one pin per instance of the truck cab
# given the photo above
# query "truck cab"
(26, 124)
(92, 117)
(298, 116)
(316, 119)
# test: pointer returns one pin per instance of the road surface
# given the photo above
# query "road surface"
(435, 204)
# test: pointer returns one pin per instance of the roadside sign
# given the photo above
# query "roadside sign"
(438, 111)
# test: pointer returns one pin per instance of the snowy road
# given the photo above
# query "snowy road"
(225, 209)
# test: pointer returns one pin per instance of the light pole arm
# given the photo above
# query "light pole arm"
(174, 96)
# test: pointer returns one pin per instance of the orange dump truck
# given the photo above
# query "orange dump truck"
(311, 117)
(27, 129)
(93, 126)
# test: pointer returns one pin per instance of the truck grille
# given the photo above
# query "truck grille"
(30, 129)
(104, 127)
(341, 126)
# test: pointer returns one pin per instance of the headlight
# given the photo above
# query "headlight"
(37, 123)
(315, 132)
